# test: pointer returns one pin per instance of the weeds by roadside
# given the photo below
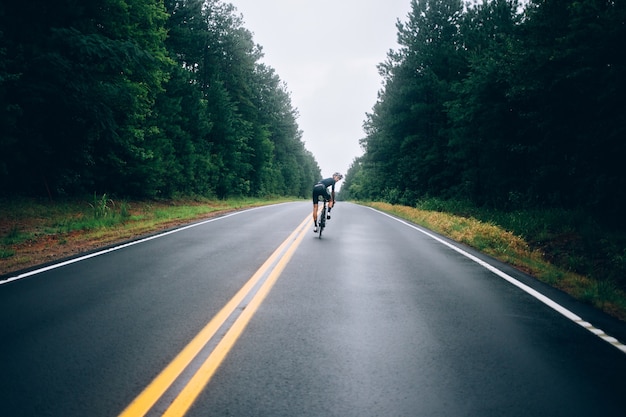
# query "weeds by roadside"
(532, 243)
(34, 232)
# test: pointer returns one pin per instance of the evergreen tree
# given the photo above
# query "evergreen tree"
(142, 98)
(484, 103)
(573, 71)
(485, 144)
(406, 142)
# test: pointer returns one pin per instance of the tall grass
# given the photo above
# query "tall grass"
(101, 212)
(570, 239)
(100, 217)
(565, 249)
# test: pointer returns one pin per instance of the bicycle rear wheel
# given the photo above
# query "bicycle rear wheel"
(322, 222)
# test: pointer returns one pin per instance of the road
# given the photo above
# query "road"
(250, 314)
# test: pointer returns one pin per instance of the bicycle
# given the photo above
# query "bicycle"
(322, 219)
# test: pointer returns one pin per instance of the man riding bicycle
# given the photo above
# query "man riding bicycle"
(321, 190)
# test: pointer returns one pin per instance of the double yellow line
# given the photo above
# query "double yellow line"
(267, 274)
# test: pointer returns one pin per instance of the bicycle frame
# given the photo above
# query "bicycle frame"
(322, 219)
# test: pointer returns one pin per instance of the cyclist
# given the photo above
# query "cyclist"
(321, 189)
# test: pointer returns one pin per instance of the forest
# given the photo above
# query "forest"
(142, 99)
(503, 104)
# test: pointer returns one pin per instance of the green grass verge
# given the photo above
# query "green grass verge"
(101, 217)
(512, 247)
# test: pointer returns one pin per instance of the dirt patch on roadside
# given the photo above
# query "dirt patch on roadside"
(44, 248)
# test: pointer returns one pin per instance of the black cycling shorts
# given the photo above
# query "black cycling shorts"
(320, 191)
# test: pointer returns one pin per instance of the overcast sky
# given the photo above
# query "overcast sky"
(326, 51)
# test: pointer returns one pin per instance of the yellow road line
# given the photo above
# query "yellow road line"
(196, 384)
(151, 394)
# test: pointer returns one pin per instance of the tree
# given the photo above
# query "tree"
(88, 78)
(502, 108)
(576, 80)
(406, 143)
(484, 141)
(143, 98)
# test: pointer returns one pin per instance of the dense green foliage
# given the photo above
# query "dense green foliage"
(505, 107)
(142, 98)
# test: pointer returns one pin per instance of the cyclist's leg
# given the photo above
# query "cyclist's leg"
(329, 200)
(317, 192)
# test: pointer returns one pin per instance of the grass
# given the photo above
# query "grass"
(547, 246)
(96, 220)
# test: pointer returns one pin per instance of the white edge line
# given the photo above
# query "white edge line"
(125, 245)
(547, 301)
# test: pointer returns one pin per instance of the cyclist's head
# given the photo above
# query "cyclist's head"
(338, 175)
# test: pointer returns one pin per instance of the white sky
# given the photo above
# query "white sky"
(327, 52)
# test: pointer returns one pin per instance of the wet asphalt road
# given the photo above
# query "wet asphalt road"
(374, 319)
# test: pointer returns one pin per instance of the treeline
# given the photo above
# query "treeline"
(503, 106)
(142, 98)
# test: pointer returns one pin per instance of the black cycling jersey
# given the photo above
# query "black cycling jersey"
(327, 182)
